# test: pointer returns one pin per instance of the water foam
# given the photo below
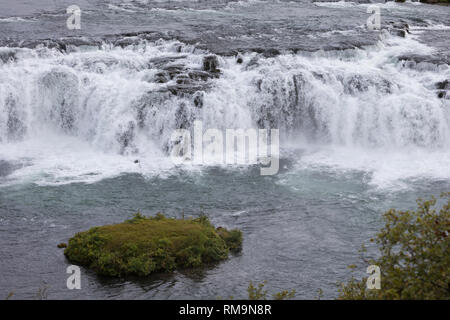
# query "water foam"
(86, 115)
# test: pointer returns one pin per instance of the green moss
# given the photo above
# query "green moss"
(141, 245)
(232, 238)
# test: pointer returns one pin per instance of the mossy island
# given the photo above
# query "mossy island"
(144, 245)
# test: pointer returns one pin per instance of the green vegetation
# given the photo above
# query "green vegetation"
(143, 245)
(258, 293)
(414, 255)
(232, 238)
(9, 296)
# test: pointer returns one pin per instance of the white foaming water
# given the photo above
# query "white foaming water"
(336, 4)
(87, 115)
(393, 170)
(50, 159)
(15, 19)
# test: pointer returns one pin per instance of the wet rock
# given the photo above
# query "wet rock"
(128, 41)
(198, 99)
(183, 79)
(8, 55)
(201, 75)
(190, 83)
(443, 85)
(270, 53)
(266, 52)
(126, 138)
(358, 84)
(185, 89)
(398, 32)
(6, 168)
(161, 61)
(148, 105)
(178, 48)
(174, 70)
(266, 118)
(415, 60)
(441, 94)
(443, 88)
(184, 118)
(402, 25)
(211, 63)
(239, 59)
(258, 84)
(318, 76)
(144, 35)
(299, 83)
(32, 44)
(78, 42)
(162, 77)
(60, 96)
(397, 28)
(62, 45)
(254, 62)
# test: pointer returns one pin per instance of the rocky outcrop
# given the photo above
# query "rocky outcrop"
(8, 55)
(443, 85)
(398, 28)
(443, 88)
(60, 96)
(211, 64)
(182, 81)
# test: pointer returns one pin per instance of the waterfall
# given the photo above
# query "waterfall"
(128, 100)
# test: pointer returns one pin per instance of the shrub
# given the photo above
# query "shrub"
(258, 293)
(232, 238)
(414, 255)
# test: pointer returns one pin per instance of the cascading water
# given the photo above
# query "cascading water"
(128, 101)
(87, 115)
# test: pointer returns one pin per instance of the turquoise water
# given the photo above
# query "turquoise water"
(301, 229)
